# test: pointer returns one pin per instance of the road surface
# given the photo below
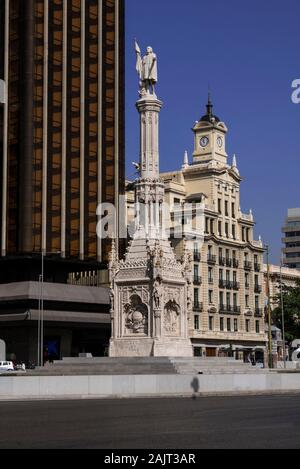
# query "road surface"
(177, 423)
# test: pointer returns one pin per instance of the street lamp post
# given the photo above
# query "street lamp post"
(39, 324)
(282, 313)
(269, 310)
(41, 310)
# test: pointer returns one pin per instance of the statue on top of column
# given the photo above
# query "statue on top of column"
(146, 68)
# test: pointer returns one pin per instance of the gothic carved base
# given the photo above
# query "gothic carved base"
(146, 347)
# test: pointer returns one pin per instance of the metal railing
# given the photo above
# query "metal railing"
(197, 256)
(228, 309)
(197, 280)
(197, 306)
(211, 259)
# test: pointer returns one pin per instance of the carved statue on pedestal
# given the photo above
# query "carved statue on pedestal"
(146, 68)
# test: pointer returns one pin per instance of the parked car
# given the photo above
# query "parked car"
(20, 367)
(6, 366)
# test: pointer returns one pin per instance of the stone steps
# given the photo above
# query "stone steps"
(213, 366)
(146, 366)
(109, 366)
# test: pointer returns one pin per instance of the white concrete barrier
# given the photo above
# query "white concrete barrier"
(19, 387)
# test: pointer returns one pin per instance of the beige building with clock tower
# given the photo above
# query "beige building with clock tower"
(228, 299)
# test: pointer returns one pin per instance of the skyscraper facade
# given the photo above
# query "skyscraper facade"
(62, 124)
(291, 239)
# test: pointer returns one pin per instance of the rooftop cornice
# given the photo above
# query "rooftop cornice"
(235, 243)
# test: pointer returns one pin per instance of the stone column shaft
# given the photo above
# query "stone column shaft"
(149, 108)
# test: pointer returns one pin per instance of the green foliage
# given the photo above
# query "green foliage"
(291, 309)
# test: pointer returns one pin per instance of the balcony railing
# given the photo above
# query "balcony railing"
(258, 313)
(247, 265)
(197, 280)
(197, 306)
(257, 288)
(228, 309)
(228, 262)
(224, 308)
(257, 267)
(229, 284)
(222, 261)
(211, 281)
(235, 263)
(211, 259)
(247, 285)
(197, 256)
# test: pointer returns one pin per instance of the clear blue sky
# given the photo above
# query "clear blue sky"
(248, 52)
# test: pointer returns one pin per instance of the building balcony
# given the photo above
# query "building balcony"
(258, 313)
(247, 217)
(229, 284)
(257, 267)
(228, 262)
(235, 285)
(291, 260)
(257, 288)
(291, 239)
(197, 280)
(224, 308)
(247, 265)
(222, 283)
(197, 256)
(198, 307)
(291, 250)
(235, 263)
(247, 286)
(228, 309)
(222, 261)
(211, 259)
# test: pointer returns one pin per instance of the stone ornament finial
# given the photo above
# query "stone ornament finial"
(113, 259)
(185, 160)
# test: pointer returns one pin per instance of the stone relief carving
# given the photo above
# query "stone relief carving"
(136, 316)
(157, 292)
(189, 297)
(173, 294)
(171, 317)
(112, 299)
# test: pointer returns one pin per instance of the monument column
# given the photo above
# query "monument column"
(148, 287)
(149, 108)
(149, 188)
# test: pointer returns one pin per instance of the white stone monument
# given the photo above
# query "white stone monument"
(151, 292)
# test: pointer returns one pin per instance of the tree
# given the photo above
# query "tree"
(291, 309)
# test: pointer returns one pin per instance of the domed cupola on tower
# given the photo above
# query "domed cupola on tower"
(210, 138)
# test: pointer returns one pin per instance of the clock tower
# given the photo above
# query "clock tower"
(210, 139)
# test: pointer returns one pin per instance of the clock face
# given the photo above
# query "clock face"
(219, 141)
(204, 142)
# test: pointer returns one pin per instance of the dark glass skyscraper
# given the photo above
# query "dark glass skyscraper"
(62, 126)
